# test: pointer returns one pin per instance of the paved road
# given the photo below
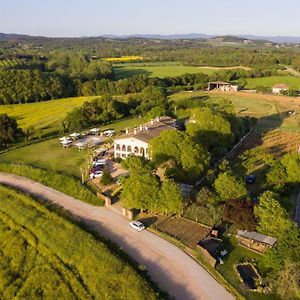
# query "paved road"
(173, 270)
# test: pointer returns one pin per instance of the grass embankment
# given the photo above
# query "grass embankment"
(45, 256)
(62, 183)
(291, 81)
(162, 69)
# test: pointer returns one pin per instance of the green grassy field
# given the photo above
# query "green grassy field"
(44, 256)
(51, 156)
(48, 155)
(271, 114)
(46, 115)
(160, 70)
(292, 82)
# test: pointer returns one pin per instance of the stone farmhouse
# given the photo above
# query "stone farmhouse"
(136, 142)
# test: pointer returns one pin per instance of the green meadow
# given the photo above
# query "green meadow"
(45, 256)
(292, 82)
(160, 70)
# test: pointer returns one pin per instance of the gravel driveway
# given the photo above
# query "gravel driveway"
(172, 269)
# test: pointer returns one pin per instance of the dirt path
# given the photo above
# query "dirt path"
(225, 68)
(173, 270)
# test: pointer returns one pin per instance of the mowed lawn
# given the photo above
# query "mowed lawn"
(46, 115)
(48, 155)
(292, 82)
(45, 256)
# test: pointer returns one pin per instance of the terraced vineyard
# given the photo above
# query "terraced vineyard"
(42, 255)
(281, 141)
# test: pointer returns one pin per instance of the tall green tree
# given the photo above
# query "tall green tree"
(209, 127)
(189, 157)
(272, 217)
(140, 191)
(9, 130)
(230, 187)
(170, 198)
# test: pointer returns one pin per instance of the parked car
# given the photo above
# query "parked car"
(94, 131)
(109, 132)
(137, 225)
(96, 174)
(99, 162)
(75, 136)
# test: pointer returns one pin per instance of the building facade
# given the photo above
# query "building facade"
(136, 142)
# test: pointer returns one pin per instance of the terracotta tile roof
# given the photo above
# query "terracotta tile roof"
(150, 130)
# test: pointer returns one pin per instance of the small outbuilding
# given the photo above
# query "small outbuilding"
(222, 86)
(279, 88)
(255, 241)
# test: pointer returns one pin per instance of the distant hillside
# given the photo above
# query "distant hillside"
(224, 38)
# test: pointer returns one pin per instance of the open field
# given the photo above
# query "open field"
(48, 155)
(46, 115)
(292, 82)
(51, 156)
(162, 70)
(44, 256)
(270, 110)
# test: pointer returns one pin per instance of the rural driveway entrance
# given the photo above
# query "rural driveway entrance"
(172, 269)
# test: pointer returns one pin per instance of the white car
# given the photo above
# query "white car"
(96, 174)
(99, 162)
(137, 225)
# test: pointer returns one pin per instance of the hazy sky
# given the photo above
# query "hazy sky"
(96, 17)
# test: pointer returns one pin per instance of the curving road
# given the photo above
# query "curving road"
(172, 269)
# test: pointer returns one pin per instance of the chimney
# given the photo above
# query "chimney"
(127, 131)
(135, 131)
(141, 127)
